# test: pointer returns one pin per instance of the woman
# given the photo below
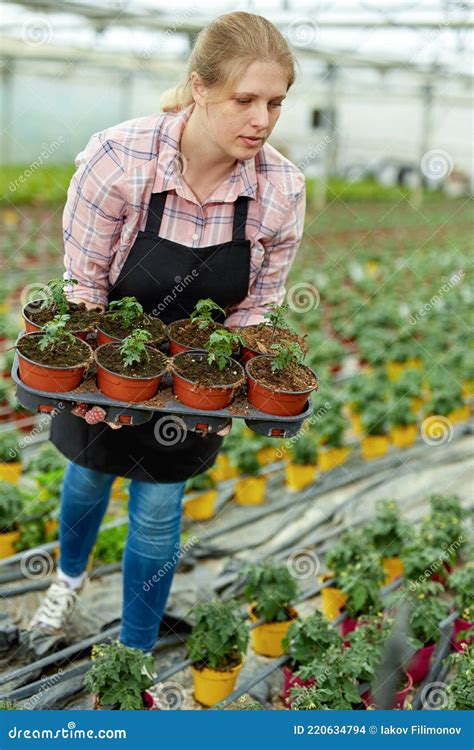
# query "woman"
(193, 194)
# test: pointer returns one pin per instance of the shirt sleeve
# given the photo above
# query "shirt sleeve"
(92, 221)
(269, 284)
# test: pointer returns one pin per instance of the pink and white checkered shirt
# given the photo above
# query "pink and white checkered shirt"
(109, 194)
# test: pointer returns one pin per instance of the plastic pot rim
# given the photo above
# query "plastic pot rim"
(274, 389)
(54, 367)
(195, 382)
(128, 377)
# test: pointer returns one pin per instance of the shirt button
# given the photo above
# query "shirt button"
(195, 236)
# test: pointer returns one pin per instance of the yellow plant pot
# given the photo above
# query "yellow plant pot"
(119, 490)
(459, 415)
(250, 491)
(416, 404)
(299, 476)
(211, 686)
(393, 567)
(403, 437)
(267, 638)
(10, 472)
(202, 507)
(332, 599)
(468, 388)
(356, 423)
(7, 541)
(223, 469)
(332, 457)
(374, 446)
(50, 525)
(267, 455)
(394, 369)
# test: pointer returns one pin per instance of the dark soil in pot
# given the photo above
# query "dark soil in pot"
(81, 318)
(259, 338)
(109, 357)
(116, 329)
(233, 660)
(187, 333)
(195, 367)
(74, 353)
(294, 378)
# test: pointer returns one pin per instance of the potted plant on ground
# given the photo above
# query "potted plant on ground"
(351, 548)
(259, 339)
(447, 401)
(388, 534)
(403, 429)
(249, 489)
(123, 317)
(306, 640)
(201, 507)
(119, 677)
(280, 384)
(10, 456)
(193, 332)
(208, 379)
(217, 646)
(410, 386)
(302, 468)
(460, 691)
(375, 442)
(11, 506)
(130, 371)
(332, 429)
(334, 686)
(462, 583)
(80, 321)
(270, 590)
(53, 360)
(360, 582)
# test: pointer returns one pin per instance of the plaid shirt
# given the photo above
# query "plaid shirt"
(109, 194)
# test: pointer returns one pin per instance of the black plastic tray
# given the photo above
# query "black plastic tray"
(131, 414)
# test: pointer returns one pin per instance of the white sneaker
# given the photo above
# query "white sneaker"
(56, 608)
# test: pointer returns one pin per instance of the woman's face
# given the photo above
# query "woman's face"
(249, 110)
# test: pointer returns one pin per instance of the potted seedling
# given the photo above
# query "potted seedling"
(80, 320)
(306, 640)
(123, 317)
(332, 428)
(130, 371)
(201, 507)
(270, 590)
(280, 384)
(249, 489)
(443, 526)
(302, 468)
(447, 401)
(403, 429)
(193, 332)
(360, 583)
(375, 442)
(351, 548)
(459, 690)
(11, 506)
(217, 646)
(334, 683)
(259, 338)
(421, 559)
(410, 386)
(53, 360)
(208, 379)
(10, 456)
(462, 583)
(388, 533)
(119, 677)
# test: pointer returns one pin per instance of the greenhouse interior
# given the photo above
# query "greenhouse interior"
(323, 559)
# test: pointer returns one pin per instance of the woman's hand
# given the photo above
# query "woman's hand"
(93, 415)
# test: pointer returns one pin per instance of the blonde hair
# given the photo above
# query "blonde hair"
(225, 49)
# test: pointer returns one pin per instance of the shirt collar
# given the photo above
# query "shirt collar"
(242, 181)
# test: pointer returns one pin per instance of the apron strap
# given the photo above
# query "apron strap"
(157, 204)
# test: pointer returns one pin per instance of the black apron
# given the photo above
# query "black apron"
(167, 279)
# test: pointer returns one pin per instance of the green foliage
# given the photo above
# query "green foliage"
(335, 685)
(54, 334)
(203, 312)
(460, 689)
(110, 544)
(374, 418)
(10, 446)
(287, 353)
(127, 310)
(307, 640)
(276, 316)
(117, 675)
(133, 349)
(409, 384)
(220, 346)
(200, 482)
(352, 547)
(443, 527)
(400, 413)
(420, 558)
(59, 301)
(331, 429)
(304, 450)
(6, 705)
(427, 611)
(11, 505)
(219, 637)
(387, 531)
(462, 581)
(47, 458)
(361, 583)
(367, 642)
(244, 460)
(272, 587)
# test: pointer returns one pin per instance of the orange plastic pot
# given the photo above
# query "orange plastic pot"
(104, 338)
(199, 396)
(31, 327)
(50, 378)
(124, 387)
(175, 346)
(272, 401)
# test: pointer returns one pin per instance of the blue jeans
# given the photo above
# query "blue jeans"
(151, 551)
